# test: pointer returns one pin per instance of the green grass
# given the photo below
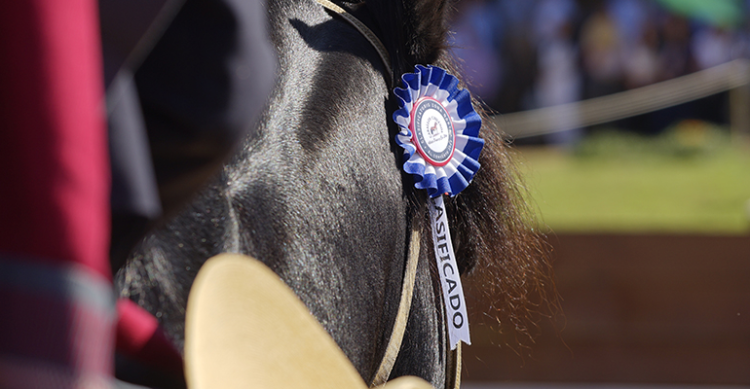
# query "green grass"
(690, 180)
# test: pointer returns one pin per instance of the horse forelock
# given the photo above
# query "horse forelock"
(414, 30)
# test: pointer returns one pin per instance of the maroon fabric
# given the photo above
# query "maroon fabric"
(140, 337)
(54, 166)
(54, 194)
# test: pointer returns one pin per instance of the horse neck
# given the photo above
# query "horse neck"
(321, 185)
(340, 207)
(318, 195)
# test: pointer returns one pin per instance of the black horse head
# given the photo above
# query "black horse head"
(318, 194)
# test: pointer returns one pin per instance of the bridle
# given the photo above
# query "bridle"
(366, 32)
(453, 375)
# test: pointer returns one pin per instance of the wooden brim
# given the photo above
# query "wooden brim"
(246, 329)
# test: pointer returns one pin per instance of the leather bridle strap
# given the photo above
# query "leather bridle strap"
(399, 327)
(453, 373)
(366, 32)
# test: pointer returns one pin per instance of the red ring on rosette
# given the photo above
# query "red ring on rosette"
(435, 136)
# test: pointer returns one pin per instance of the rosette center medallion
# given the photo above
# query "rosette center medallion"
(433, 132)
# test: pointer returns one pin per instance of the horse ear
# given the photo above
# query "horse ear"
(414, 30)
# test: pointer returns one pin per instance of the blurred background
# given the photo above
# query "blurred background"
(631, 124)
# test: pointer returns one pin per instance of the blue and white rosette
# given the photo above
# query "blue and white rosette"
(428, 163)
(439, 131)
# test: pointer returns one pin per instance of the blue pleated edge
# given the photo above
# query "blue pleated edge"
(437, 83)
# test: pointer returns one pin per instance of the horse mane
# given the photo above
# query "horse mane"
(415, 30)
(498, 245)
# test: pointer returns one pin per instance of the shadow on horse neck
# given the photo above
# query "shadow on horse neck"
(318, 194)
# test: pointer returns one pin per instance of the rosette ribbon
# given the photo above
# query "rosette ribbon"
(455, 174)
(439, 131)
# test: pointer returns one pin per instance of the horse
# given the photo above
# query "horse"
(317, 193)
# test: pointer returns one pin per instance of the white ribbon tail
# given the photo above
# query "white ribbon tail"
(450, 280)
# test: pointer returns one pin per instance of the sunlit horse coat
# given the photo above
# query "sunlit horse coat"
(318, 194)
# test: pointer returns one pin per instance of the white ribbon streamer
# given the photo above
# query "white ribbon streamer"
(450, 279)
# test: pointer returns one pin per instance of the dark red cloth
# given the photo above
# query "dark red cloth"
(54, 191)
(140, 338)
(54, 170)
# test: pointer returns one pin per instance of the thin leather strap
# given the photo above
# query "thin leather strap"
(366, 32)
(399, 327)
(453, 376)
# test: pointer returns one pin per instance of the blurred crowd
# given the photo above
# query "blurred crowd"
(524, 54)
